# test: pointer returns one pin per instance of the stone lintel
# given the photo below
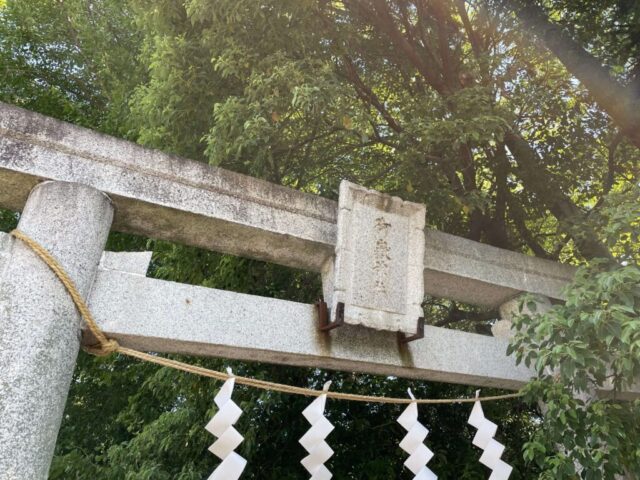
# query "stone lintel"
(160, 316)
(166, 197)
(131, 262)
(480, 274)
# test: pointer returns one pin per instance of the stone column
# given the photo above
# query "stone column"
(39, 325)
(511, 308)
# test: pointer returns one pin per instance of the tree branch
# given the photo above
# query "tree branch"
(384, 20)
(367, 95)
(466, 22)
(443, 45)
(517, 216)
(496, 231)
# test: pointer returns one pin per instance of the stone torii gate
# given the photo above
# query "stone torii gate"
(74, 185)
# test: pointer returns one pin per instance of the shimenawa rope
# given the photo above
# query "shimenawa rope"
(106, 346)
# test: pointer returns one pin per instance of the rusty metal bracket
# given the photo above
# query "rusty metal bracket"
(323, 316)
(403, 339)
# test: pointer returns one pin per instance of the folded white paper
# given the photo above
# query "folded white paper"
(314, 440)
(412, 443)
(221, 425)
(484, 439)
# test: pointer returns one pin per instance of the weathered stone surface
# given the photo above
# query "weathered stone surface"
(5, 248)
(524, 305)
(39, 325)
(130, 262)
(379, 259)
(172, 317)
(502, 329)
(163, 196)
(480, 274)
(166, 197)
(177, 318)
(327, 274)
(518, 305)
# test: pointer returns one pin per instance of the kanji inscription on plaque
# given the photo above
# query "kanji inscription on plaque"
(379, 259)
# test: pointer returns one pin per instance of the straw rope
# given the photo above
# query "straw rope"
(107, 346)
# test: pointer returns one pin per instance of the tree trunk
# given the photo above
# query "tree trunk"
(620, 102)
(536, 180)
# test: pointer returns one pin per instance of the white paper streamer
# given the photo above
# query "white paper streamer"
(313, 441)
(221, 425)
(484, 439)
(412, 443)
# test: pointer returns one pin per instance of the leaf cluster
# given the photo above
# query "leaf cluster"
(589, 344)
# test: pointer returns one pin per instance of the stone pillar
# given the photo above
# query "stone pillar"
(511, 308)
(39, 325)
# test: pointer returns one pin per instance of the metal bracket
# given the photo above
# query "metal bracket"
(403, 339)
(323, 316)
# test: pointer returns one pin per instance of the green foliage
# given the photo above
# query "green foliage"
(8, 220)
(608, 28)
(72, 60)
(590, 343)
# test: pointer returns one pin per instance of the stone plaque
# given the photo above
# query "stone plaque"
(379, 259)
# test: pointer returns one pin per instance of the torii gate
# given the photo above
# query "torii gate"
(74, 185)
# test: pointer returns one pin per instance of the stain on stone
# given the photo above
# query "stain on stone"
(404, 353)
(322, 339)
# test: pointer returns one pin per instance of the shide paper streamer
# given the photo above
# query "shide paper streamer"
(484, 439)
(412, 443)
(221, 425)
(313, 441)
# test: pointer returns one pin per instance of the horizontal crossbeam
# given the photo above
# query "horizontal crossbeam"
(178, 318)
(166, 197)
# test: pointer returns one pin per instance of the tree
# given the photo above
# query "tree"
(71, 60)
(621, 101)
